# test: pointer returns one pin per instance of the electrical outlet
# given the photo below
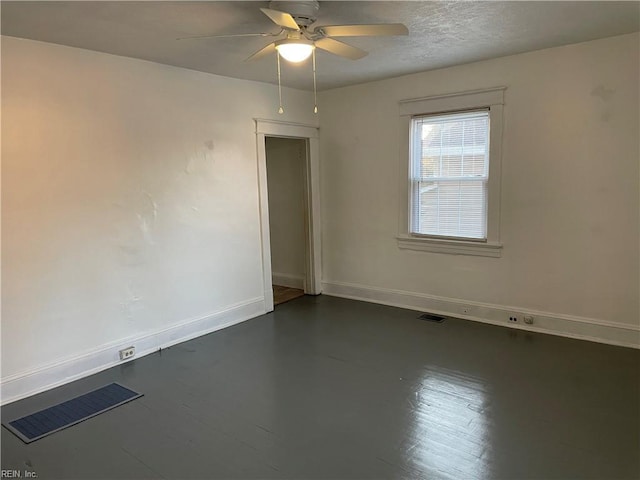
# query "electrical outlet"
(513, 319)
(528, 319)
(127, 353)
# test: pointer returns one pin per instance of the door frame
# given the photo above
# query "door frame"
(313, 263)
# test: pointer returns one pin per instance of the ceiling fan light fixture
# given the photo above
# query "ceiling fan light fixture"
(295, 50)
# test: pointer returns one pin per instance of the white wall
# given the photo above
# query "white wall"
(285, 177)
(569, 210)
(129, 207)
(130, 201)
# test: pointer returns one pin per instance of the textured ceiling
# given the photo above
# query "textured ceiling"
(440, 33)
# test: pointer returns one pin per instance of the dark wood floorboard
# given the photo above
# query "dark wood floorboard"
(284, 294)
(331, 388)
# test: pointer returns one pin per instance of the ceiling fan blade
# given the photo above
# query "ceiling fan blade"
(340, 49)
(364, 30)
(281, 18)
(195, 37)
(263, 52)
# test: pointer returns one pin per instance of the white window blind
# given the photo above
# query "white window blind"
(449, 174)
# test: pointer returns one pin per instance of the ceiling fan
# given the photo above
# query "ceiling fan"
(300, 36)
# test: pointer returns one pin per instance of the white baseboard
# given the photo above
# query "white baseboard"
(288, 280)
(29, 383)
(594, 330)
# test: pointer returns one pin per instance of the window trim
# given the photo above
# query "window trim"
(491, 99)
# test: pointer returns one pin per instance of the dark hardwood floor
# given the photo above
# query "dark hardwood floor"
(331, 388)
(284, 294)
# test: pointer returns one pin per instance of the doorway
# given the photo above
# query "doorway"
(286, 165)
(304, 139)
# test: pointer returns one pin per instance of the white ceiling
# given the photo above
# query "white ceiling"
(440, 33)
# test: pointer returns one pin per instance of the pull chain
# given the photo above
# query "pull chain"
(280, 110)
(315, 95)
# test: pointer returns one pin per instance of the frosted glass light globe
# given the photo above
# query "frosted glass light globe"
(294, 51)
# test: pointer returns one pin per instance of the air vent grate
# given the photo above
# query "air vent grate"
(431, 318)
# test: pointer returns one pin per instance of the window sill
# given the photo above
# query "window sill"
(452, 247)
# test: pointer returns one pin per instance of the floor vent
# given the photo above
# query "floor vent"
(69, 413)
(431, 318)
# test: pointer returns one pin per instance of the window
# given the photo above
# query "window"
(449, 173)
(452, 163)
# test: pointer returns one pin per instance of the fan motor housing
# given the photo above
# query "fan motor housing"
(304, 13)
